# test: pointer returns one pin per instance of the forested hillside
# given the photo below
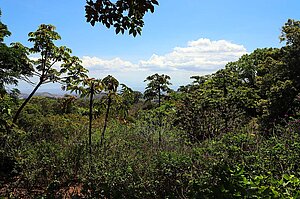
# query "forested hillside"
(230, 134)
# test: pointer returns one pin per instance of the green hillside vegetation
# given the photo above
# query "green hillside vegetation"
(230, 134)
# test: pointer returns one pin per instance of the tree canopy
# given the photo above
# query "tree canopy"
(14, 61)
(157, 86)
(69, 67)
(123, 15)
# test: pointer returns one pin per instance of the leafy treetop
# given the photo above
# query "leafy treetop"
(157, 86)
(4, 32)
(14, 62)
(121, 14)
(50, 54)
(55, 64)
(291, 32)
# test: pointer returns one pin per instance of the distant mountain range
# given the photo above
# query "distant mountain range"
(51, 95)
(42, 94)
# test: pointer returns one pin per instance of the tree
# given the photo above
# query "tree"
(14, 65)
(87, 87)
(14, 61)
(43, 44)
(127, 97)
(137, 96)
(290, 33)
(67, 103)
(121, 14)
(156, 88)
(110, 85)
(197, 82)
(263, 84)
(4, 32)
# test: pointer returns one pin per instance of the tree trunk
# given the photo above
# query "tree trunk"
(159, 118)
(226, 105)
(26, 101)
(159, 97)
(106, 119)
(91, 118)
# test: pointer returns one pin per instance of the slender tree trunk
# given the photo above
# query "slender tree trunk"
(26, 101)
(159, 118)
(225, 107)
(159, 96)
(91, 118)
(106, 119)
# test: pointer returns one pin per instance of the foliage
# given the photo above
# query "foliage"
(157, 87)
(110, 86)
(52, 152)
(122, 14)
(43, 43)
(212, 107)
(263, 84)
(127, 99)
(14, 61)
(230, 134)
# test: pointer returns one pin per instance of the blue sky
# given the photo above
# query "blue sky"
(181, 38)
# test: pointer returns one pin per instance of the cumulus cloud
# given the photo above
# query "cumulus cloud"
(200, 55)
(106, 65)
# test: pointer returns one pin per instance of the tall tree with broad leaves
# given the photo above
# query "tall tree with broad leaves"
(14, 65)
(14, 61)
(123, 15)
(126, 101)
(87, 87)
(157, 87)
(111, 87)
(55, 63)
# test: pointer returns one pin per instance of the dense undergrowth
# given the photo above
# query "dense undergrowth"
(51, 154)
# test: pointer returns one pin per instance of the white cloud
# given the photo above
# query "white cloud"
(116, 64)
(202, 55)
(199, 55)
